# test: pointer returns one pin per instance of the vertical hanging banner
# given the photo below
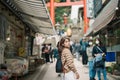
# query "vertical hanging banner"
(90, 8)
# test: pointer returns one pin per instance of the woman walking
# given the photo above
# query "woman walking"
(92, 71)
(69, 70)
(98, 51)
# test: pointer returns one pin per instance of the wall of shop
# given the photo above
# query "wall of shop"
(111, 38)
(12, 32)
(114, 40)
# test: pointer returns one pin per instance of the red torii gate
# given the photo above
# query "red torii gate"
(53, 4)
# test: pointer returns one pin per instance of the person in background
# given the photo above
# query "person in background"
(77, 50)
(100, 49)
(43, 53)
(90, 60)
(46, 52)
(69, 70)
(55, 52)
(84, 44)
(57, 55)
(51, 53)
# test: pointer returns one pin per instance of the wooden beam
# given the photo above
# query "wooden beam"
(67, 3)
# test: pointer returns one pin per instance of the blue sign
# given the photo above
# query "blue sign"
(110, 57)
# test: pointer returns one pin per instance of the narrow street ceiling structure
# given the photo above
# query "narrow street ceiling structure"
(33, 13)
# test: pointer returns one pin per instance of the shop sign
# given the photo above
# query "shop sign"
(110, 56)
(21, 51)
(90, 8)
(35, 50)
(38, 39)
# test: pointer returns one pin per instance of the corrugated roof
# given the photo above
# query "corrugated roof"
(32, 12)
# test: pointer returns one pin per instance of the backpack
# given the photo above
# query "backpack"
(59, 67)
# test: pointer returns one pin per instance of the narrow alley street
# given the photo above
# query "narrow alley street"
(47, 72)
(33, 32)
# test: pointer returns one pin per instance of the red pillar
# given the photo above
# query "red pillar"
(52, 13)
(85, 16)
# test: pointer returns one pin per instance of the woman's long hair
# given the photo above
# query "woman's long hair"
(60, 45)
(100, 42)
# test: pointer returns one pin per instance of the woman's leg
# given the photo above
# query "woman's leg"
(104, 74)
(93, 71)
(99, 74)
(77, 56)
(47, 57)
(90, 70)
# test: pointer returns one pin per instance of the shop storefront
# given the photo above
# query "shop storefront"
(11, 33)
(106, 25)
(113, 39)
(11, 40)
(19, 21)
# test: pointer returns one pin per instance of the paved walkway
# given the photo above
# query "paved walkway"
(52, 75)
(47, 72)
(83, 71)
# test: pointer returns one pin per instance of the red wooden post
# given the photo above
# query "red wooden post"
(85, 17)
(52, 13)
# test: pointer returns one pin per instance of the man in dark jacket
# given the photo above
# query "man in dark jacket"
(84, 44)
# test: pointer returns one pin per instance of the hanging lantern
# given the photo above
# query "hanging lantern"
(69, 32)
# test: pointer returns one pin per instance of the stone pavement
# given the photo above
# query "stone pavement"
(83, 71)
(52, 75)
(47, 72)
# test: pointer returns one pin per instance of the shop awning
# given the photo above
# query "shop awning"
(105, 16)
(33, 13)
(89, 31)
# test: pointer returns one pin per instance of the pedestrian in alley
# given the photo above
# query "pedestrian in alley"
(46, 52)
(51, 53)
(92, 71)
(77, 49)
(55, 53)
(69, 70)
(43, 53)
(99, 50)
(84, 44)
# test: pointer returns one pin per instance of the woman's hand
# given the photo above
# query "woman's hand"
(77, 76)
